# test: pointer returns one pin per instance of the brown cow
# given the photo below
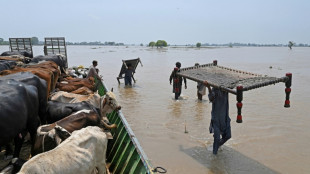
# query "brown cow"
(82, 91)
(74, 84)
(43, 73)
(49, 136)
(50, 66)
(16, 58)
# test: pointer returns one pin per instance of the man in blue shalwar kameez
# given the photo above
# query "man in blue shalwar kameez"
(129, 74)
(220, 121)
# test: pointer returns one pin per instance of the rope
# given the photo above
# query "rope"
(162, 170)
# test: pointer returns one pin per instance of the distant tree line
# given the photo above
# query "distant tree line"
(35, 41)
(159, 43)
(3, 42)
(163, 43)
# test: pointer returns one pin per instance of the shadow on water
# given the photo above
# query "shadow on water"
(227, 160)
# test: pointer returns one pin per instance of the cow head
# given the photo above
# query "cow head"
(109, 104)
(50, 136)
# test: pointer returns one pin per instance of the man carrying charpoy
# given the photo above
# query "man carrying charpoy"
(220, 120)
(177, 81)
(129, 74)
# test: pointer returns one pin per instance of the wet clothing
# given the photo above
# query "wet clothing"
(93, 73)
(128, 76)
(201, 88)
(177, 83)
(220, 121)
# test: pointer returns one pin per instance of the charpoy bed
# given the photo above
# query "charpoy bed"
(234, 81)
(134, 63)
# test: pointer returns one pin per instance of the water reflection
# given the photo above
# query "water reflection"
(129, 96)
(199, 108)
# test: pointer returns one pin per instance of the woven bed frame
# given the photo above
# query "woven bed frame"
(133, 62)
(234, 81)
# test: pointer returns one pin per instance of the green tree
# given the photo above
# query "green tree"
(1, 40)
(290, 44)
(161, 43)
(198, 44)
(34, 41)
(152, 44)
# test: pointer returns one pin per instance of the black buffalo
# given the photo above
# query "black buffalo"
(18, 112)
(57, 110)
(19, 53)
(41, 85)
(60, 60)
(6, 64)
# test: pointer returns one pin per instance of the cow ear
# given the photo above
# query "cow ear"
(111, 89)
(61, 134)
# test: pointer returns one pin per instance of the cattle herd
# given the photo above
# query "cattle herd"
(62, 117)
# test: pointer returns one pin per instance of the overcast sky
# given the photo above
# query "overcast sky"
(142, 21)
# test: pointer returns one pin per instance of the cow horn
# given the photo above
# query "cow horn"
(106, 126)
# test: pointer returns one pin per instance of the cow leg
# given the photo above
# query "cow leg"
(8, 151)
(32, 128)
(18, 140)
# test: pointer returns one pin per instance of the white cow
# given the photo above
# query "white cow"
(106, 104)
(67, 97)
(83, 152)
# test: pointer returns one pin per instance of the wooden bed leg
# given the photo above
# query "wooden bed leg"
(118, 80)
(239, 103)
(288, 90)
(134, 79)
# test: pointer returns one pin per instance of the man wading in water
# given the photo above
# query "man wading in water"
(177, 81)
(220, 121)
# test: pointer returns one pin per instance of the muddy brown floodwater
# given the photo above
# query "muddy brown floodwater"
(271, 139)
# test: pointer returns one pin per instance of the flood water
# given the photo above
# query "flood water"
(271, 139)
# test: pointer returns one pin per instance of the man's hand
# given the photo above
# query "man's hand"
(206, 83)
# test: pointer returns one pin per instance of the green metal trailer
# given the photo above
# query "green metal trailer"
(124, 153)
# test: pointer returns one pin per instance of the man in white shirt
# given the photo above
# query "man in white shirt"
(93, 71)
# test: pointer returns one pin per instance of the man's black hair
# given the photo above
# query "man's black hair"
(178, 64)
(95, 62)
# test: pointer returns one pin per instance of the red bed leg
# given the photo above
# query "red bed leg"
(288, 90)
(239, 103)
